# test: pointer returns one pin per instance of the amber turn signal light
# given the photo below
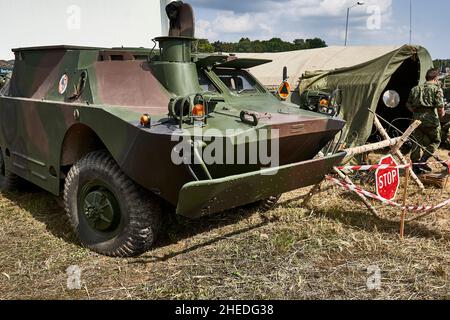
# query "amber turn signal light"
(198, 111)
(146, 120)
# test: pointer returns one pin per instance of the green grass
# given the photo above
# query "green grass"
(292, 252)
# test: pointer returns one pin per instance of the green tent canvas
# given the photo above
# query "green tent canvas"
(362, 74)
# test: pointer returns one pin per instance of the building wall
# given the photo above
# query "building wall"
(105, 23)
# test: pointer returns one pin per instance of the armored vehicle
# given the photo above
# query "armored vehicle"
(120, 131)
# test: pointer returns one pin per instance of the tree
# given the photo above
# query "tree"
(244, 45)
(315, 43)
(204, 46)
(272, 45)
(441, 63)
(299, 44)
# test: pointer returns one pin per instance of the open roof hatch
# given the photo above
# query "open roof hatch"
(243, 63)
(222, 61)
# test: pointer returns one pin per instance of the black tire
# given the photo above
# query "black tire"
(134, 214)
(8, 181)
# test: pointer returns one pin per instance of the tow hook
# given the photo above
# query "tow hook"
(250, 118)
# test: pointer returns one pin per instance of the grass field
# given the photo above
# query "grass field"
(328, 251)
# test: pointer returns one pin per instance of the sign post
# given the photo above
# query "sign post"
(405, 196)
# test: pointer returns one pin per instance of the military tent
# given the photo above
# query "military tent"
(362, 74)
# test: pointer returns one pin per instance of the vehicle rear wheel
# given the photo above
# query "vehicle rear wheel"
(110, 214)
(8, 181)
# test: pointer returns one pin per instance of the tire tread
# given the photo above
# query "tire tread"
(144, 209)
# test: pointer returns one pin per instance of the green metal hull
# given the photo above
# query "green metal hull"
(45, 130)
(205, 197)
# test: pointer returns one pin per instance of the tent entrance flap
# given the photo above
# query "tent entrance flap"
(362, 74)
(402, 81)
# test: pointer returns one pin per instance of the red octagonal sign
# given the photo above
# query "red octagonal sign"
(388, 180)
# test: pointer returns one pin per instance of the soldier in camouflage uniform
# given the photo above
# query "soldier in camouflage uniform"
(427, 103)
(446, 123)
(446, 135)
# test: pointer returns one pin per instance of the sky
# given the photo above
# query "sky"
(377, 22)
(100, 23)
(135, 22)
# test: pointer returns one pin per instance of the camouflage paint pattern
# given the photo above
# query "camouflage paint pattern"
(45, 129)
(425, 100)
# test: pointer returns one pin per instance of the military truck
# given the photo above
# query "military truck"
(102, 127)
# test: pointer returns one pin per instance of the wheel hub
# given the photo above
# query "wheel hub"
(101, 210)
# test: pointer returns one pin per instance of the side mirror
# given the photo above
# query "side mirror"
(391, 99)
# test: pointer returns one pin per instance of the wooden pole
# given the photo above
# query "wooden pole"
(406, 135)
(395, 143)
(405, 197)
(444, 188)
(351, 152)
(310, 194)
(399, 154)
(362, 197)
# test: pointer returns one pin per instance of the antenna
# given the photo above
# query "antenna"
(410, 21)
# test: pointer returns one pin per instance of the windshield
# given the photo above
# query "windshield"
(238, 81)
(205, 83)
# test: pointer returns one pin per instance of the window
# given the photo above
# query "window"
(238, 81)
(205, 83)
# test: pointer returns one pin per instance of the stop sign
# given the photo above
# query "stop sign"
(388, 180)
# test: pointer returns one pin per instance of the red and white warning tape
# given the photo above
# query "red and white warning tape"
(362, 191)
(428, 208)
(373, 167)
(417, 209)
(387, 166)
(444, 163)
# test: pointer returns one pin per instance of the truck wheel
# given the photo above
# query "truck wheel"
(8, 181)
(110, 214)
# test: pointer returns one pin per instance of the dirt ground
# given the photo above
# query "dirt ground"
(332, 250)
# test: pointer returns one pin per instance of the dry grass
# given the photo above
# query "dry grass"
(289, 253)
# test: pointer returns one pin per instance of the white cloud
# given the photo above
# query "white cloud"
(204, 30)
(288, 19)
(229, 22)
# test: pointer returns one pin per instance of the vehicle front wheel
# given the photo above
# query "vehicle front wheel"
(109, 213)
